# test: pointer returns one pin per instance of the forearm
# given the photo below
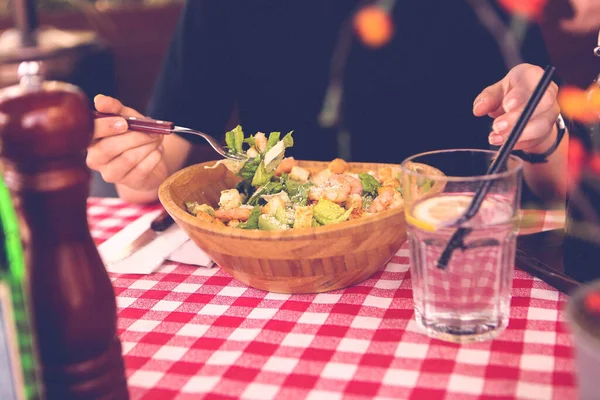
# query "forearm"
(548, 180)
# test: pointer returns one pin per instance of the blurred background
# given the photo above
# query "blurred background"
(122, 46)
(128, 39)
(123, 43)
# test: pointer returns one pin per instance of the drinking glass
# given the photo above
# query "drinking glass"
(469, 300)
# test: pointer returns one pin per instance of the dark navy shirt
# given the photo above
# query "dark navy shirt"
(272, 59)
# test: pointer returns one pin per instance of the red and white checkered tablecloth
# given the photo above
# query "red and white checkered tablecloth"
(191, 333)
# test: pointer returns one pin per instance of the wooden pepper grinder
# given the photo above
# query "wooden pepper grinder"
(45, 128)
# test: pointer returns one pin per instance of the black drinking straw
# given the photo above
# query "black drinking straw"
(457, 239)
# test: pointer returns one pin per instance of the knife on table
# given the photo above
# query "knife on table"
(159, 224)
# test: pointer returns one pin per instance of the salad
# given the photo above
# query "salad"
(275, 193)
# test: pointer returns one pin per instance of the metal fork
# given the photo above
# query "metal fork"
(149, 125)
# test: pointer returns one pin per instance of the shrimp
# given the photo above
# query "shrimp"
(387, 197)
(285, 166)
(352, 181)
(260, 141)
(240, 213)
(337, 188)
(398, 200)
(337, 194)
(204, 216)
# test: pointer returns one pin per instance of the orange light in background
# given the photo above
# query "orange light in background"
(593, 96)
(592, 302)
(595, 164)
(580, 105)
(529, 9)
(572, 102)
(373, 26)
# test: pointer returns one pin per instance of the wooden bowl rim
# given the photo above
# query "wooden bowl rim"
(178, 213)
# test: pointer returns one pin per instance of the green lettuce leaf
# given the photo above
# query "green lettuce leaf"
(269, 188)
(369, 184)
(282, 216)
(326, 212)
(273, 139)
(270, 223)
(234, 139)
(250, 140)
(297, 191)
(261, 177)
(252, 222)
(288, 140)
(367, 200)
(249, 169)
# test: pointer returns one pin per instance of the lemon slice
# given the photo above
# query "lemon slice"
(426, 226)
(433, 212)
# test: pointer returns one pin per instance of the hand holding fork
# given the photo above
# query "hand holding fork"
(129, 149)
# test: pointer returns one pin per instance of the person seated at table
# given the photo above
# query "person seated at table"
(424, 90)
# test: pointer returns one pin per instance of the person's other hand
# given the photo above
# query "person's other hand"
(130, 158)
(504, 101)
(586, 17)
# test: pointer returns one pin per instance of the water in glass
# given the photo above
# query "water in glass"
(469, 300)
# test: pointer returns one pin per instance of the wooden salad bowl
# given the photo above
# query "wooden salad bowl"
(305, 260)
